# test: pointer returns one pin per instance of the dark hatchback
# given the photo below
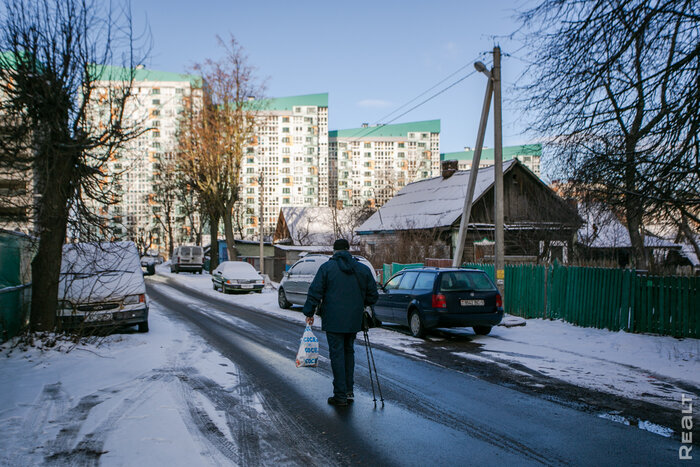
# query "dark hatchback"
(428, 298)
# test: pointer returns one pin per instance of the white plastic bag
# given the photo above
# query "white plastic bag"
(308, 349)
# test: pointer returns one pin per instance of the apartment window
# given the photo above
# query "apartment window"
(155, 102)
(285, 129)
(155, 144)
(368, 154)
(285, 180)
(250, 190)
(156, 123)
(155, 112)
(402, 145)
(285, 139)
(155, 134)
(178, 90)
(285, 119)
(285, 200)
(285, 160)
(250, 160)
(368, 183)
(367, 164)
(368, 145)
(285, 191)
(155, 91)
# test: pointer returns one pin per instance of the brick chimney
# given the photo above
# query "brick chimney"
(449, 168)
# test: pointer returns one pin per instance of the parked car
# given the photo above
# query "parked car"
(148, 265)
(296, 281)
(428, 298)
(237, 276)
(187, 258)
(101, 284)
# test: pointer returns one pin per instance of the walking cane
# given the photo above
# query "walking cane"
(372, 366)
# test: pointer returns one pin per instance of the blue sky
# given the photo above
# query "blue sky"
(371, 57)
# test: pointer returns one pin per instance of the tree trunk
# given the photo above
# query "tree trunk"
(214, 241)
(228, 232)
(633, 208)
(52, 219)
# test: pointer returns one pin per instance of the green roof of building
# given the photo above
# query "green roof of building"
(509, 152)
(399, 129)
(117, 73)
(288, 103)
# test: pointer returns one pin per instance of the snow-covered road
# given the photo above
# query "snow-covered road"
(165, 398)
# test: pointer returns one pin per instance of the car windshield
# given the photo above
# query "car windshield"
(460, 281)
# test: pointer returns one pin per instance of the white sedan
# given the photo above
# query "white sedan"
(237, 276)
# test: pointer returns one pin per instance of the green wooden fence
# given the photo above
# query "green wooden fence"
(615, 299)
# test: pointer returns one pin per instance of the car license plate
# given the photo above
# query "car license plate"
(246, 286)
(100, 317)
(471, 302)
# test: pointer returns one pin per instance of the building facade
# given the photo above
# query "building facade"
(155, 106)
(529, 155)
(369, 165)
(290, 150)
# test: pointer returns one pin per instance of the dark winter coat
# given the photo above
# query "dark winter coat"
(336, 288)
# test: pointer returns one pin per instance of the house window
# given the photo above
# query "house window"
(155, 91)
(155, 102)
(368, 145)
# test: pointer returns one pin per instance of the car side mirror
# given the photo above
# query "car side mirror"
(285, 274)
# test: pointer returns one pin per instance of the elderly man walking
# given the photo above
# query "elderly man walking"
(342, 288)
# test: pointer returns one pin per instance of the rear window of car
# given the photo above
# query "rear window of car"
(408, 280)
(458, 281)
(197, 250)
(425, 281)
(185, 250)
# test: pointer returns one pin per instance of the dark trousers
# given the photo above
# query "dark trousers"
(342, 352)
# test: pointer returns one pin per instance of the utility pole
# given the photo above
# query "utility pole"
(261, 183)
(476, 160)
(498, 169)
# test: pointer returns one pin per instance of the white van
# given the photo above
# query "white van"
(187, 258)
(101, 284)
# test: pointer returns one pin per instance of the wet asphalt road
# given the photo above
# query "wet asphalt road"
(432, 415)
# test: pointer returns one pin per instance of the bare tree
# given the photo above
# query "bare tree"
(163, 199)
(616, 85)
(214, 139)
(59, 125)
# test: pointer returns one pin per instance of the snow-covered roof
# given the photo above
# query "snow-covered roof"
(434, 202)
(602, 229)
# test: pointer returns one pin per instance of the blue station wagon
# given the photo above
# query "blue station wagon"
(428, 298)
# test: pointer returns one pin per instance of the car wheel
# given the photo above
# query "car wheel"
(143, 327)
(282, 299)
(482, 330)
(415, 324)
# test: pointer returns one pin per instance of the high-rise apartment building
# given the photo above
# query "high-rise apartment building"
(155, 105)
(369, 165)
(291, 151)
(528, 154)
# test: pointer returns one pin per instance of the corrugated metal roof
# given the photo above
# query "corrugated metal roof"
(430, 203)
(398, 130)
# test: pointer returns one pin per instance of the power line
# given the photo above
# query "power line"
(378, 123)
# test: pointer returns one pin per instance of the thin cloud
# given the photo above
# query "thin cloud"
(374, 103)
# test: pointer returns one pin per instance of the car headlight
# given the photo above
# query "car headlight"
(233, 281)
(134, 299)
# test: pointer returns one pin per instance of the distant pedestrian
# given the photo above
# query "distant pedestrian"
(342, 288)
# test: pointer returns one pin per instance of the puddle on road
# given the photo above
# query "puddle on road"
(641, 424)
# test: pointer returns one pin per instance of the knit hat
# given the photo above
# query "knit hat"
(341, 244)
